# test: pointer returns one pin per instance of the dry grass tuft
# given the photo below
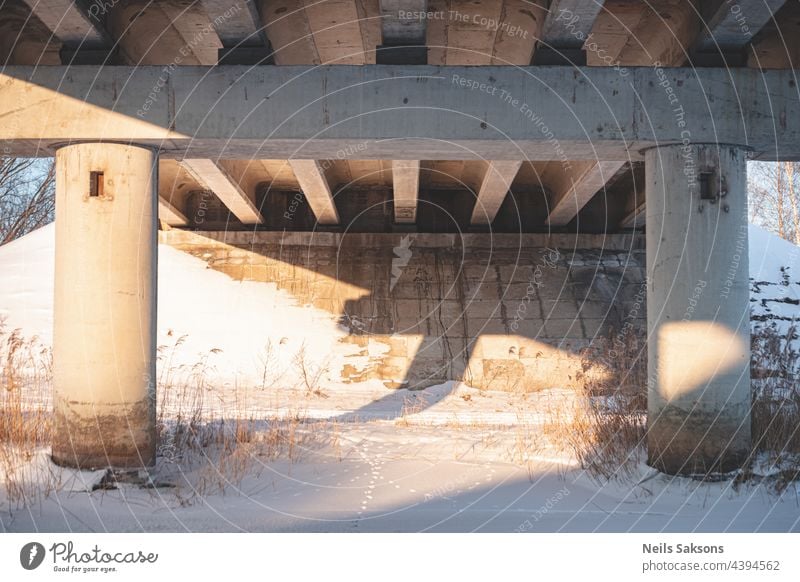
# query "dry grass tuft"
(26, 368)
(209, 444)
(776, 398)
(775, 415)
(605, 428)
(528, 444)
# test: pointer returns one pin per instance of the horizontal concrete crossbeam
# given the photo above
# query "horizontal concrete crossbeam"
(397, 112)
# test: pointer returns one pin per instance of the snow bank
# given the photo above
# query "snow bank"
(252, 323)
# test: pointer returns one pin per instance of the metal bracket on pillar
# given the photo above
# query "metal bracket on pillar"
(712, 186)
(401, 55)
(245, 55)
(546, 55)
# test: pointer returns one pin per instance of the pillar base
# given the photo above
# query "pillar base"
(97, 436)
(705, 442)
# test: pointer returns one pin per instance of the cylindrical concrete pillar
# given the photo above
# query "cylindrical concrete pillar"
(105, 306)
(698, 316)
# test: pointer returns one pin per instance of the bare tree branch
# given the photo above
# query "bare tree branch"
(27, 200)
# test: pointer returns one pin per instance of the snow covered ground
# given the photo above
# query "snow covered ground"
(450, 458)
(392, 480)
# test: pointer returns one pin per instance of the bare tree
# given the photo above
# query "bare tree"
(773, 192)
(790, 178)
(27, 199)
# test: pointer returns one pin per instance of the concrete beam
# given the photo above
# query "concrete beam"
(577, 187)
(635, 218)
(397, 25)
(403, 32)
(289, 32)
(336, 29)
(81, 28)
(467, 42)
(74, 23)
(174, 186)
(215, 178)
(238, 26)
(566, 27)
(405, 182)
(455, 113)
(315, 188)
(170, 214)
(731, 25)
(495, 185)
(629, 34)
(777, 45)
(569, 22)
(236, 22)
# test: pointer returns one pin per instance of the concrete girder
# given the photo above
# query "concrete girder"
(239, 28)
(73, 23)
(636, 218)
(731, 26)
(336, 29)
(398, 27)
(449, 112)
(495, 185)
(405, 184)
(404, 28)
(576, 187)
(215, 177)
(175, 184)
(81, 28)
(566, 27)
(170, 214)
(315, 187)
(236, 23)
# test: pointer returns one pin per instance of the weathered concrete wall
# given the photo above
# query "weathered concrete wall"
(506, 312)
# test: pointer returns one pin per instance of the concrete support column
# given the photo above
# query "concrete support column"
(698, 315)
(105, 306)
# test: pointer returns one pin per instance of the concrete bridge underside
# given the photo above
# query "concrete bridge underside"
(541, 123)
